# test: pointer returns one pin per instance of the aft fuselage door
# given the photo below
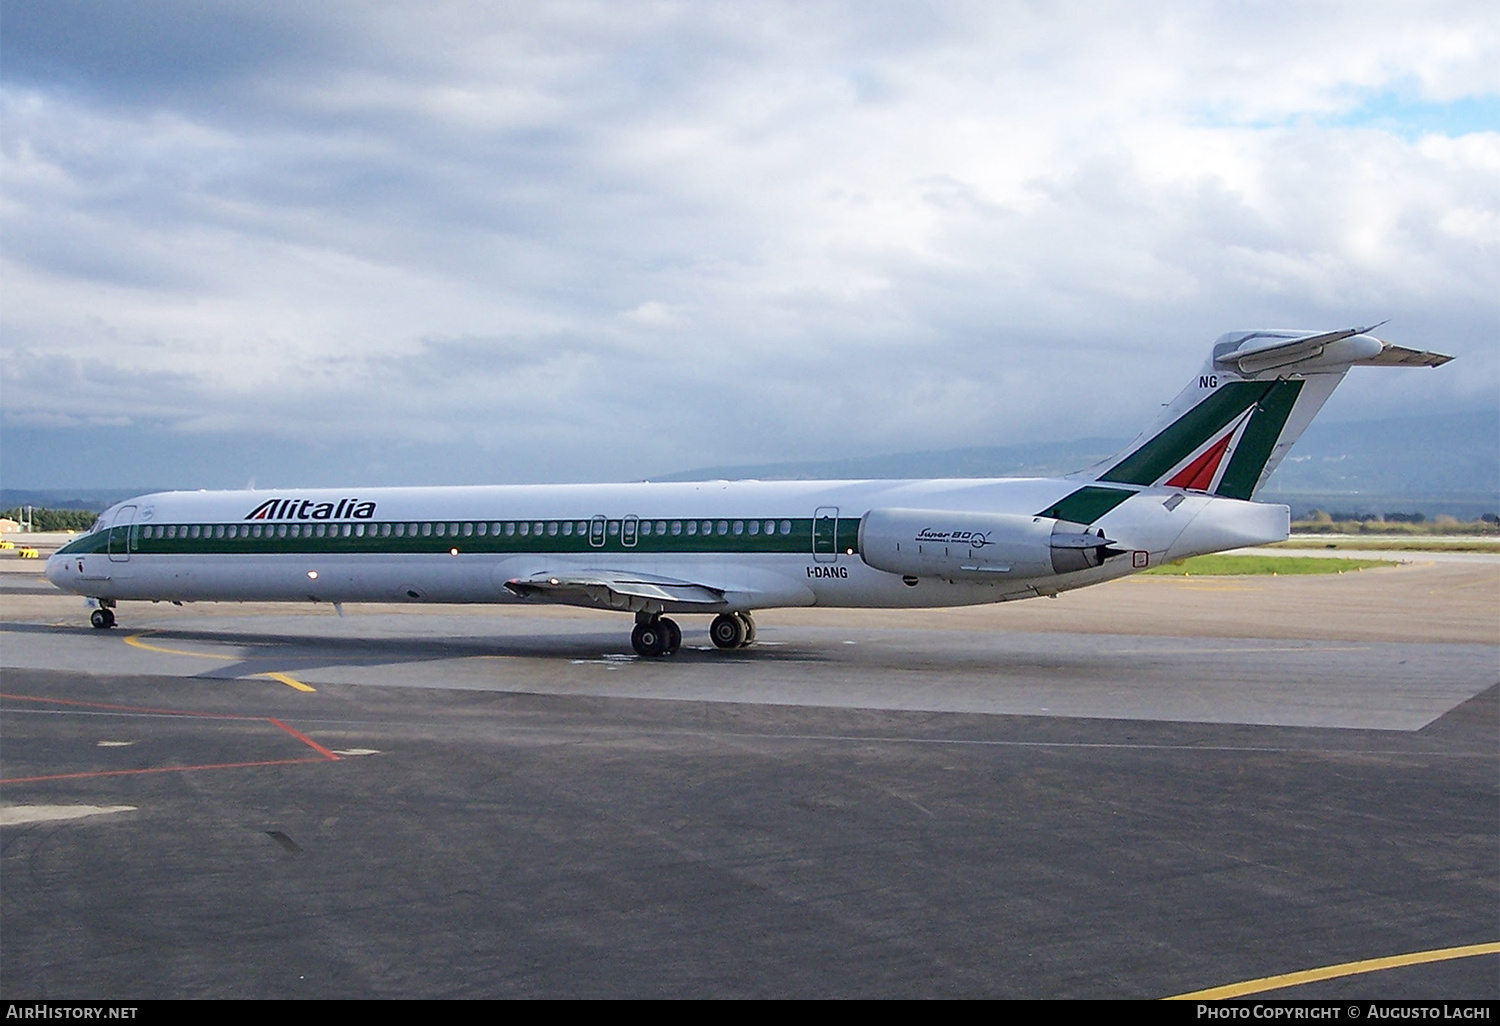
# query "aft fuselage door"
(825, 534)
(119, 535)
(628, 531)
(596, 532)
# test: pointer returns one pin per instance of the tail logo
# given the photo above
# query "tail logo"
(1254, 414)
(1199, 474)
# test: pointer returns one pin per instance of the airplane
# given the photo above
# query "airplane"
(1184, 487)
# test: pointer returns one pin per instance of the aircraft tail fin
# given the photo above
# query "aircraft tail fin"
(1233, 424)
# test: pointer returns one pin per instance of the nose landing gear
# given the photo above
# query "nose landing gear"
(102, 618)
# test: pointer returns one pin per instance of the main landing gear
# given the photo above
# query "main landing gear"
(102, 618)
(656, 636)
(732, 630)
(659, 636)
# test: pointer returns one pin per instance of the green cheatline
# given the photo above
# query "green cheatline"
(1227, 566)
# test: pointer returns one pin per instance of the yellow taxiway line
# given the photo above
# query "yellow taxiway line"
(1331, 972)
(135, 641)
(291, 682)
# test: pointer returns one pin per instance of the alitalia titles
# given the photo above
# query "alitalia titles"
(310, 509)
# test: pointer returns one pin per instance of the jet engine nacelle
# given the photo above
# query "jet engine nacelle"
(977, 546)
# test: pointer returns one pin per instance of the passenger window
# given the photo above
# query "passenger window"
(661, 527)
(426, 530)
(193, 531)
(536, 528)
(614, 528)
(482, 529)
(552, 528)
(510, 529)
(708, 527)
(281, 530)
(755, 527)
(468, 530)
(739, 527)
(723, 527)
(525, 530)
(786, 527)
(677, 527)
(385, 530)
(692, 527)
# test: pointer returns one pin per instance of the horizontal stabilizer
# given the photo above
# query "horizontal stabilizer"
(1400, 356)
(1263, 351)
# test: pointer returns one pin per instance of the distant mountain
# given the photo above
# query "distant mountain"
(94, 500)
(1439, 464)
(1413, 456)
(1043, 459)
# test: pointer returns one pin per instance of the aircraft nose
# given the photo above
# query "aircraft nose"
(56, 569)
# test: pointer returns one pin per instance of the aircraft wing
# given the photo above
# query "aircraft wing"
(615, 589)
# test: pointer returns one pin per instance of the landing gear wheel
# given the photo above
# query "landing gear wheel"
(102, 619)
(749, 629)
(673, 635)
(648, 639)
(728, 631)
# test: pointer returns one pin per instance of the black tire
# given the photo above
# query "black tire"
(727, 631)
(102, 619)
(673, 636)
(749, 629)
(648, 640)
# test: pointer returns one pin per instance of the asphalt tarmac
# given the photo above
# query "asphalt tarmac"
(275, 802)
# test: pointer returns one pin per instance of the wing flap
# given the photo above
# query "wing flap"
(609, 589)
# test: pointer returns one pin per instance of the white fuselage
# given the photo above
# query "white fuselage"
(760, 544)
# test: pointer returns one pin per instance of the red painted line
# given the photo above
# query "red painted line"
(130, 708)
(161, 769)
(304, 739)
(325, 753)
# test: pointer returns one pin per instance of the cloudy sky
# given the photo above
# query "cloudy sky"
(407, 243)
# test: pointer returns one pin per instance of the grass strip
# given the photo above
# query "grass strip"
(1235, 566)
(1408, 544)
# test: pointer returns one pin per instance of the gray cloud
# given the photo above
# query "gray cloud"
(623, 239)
